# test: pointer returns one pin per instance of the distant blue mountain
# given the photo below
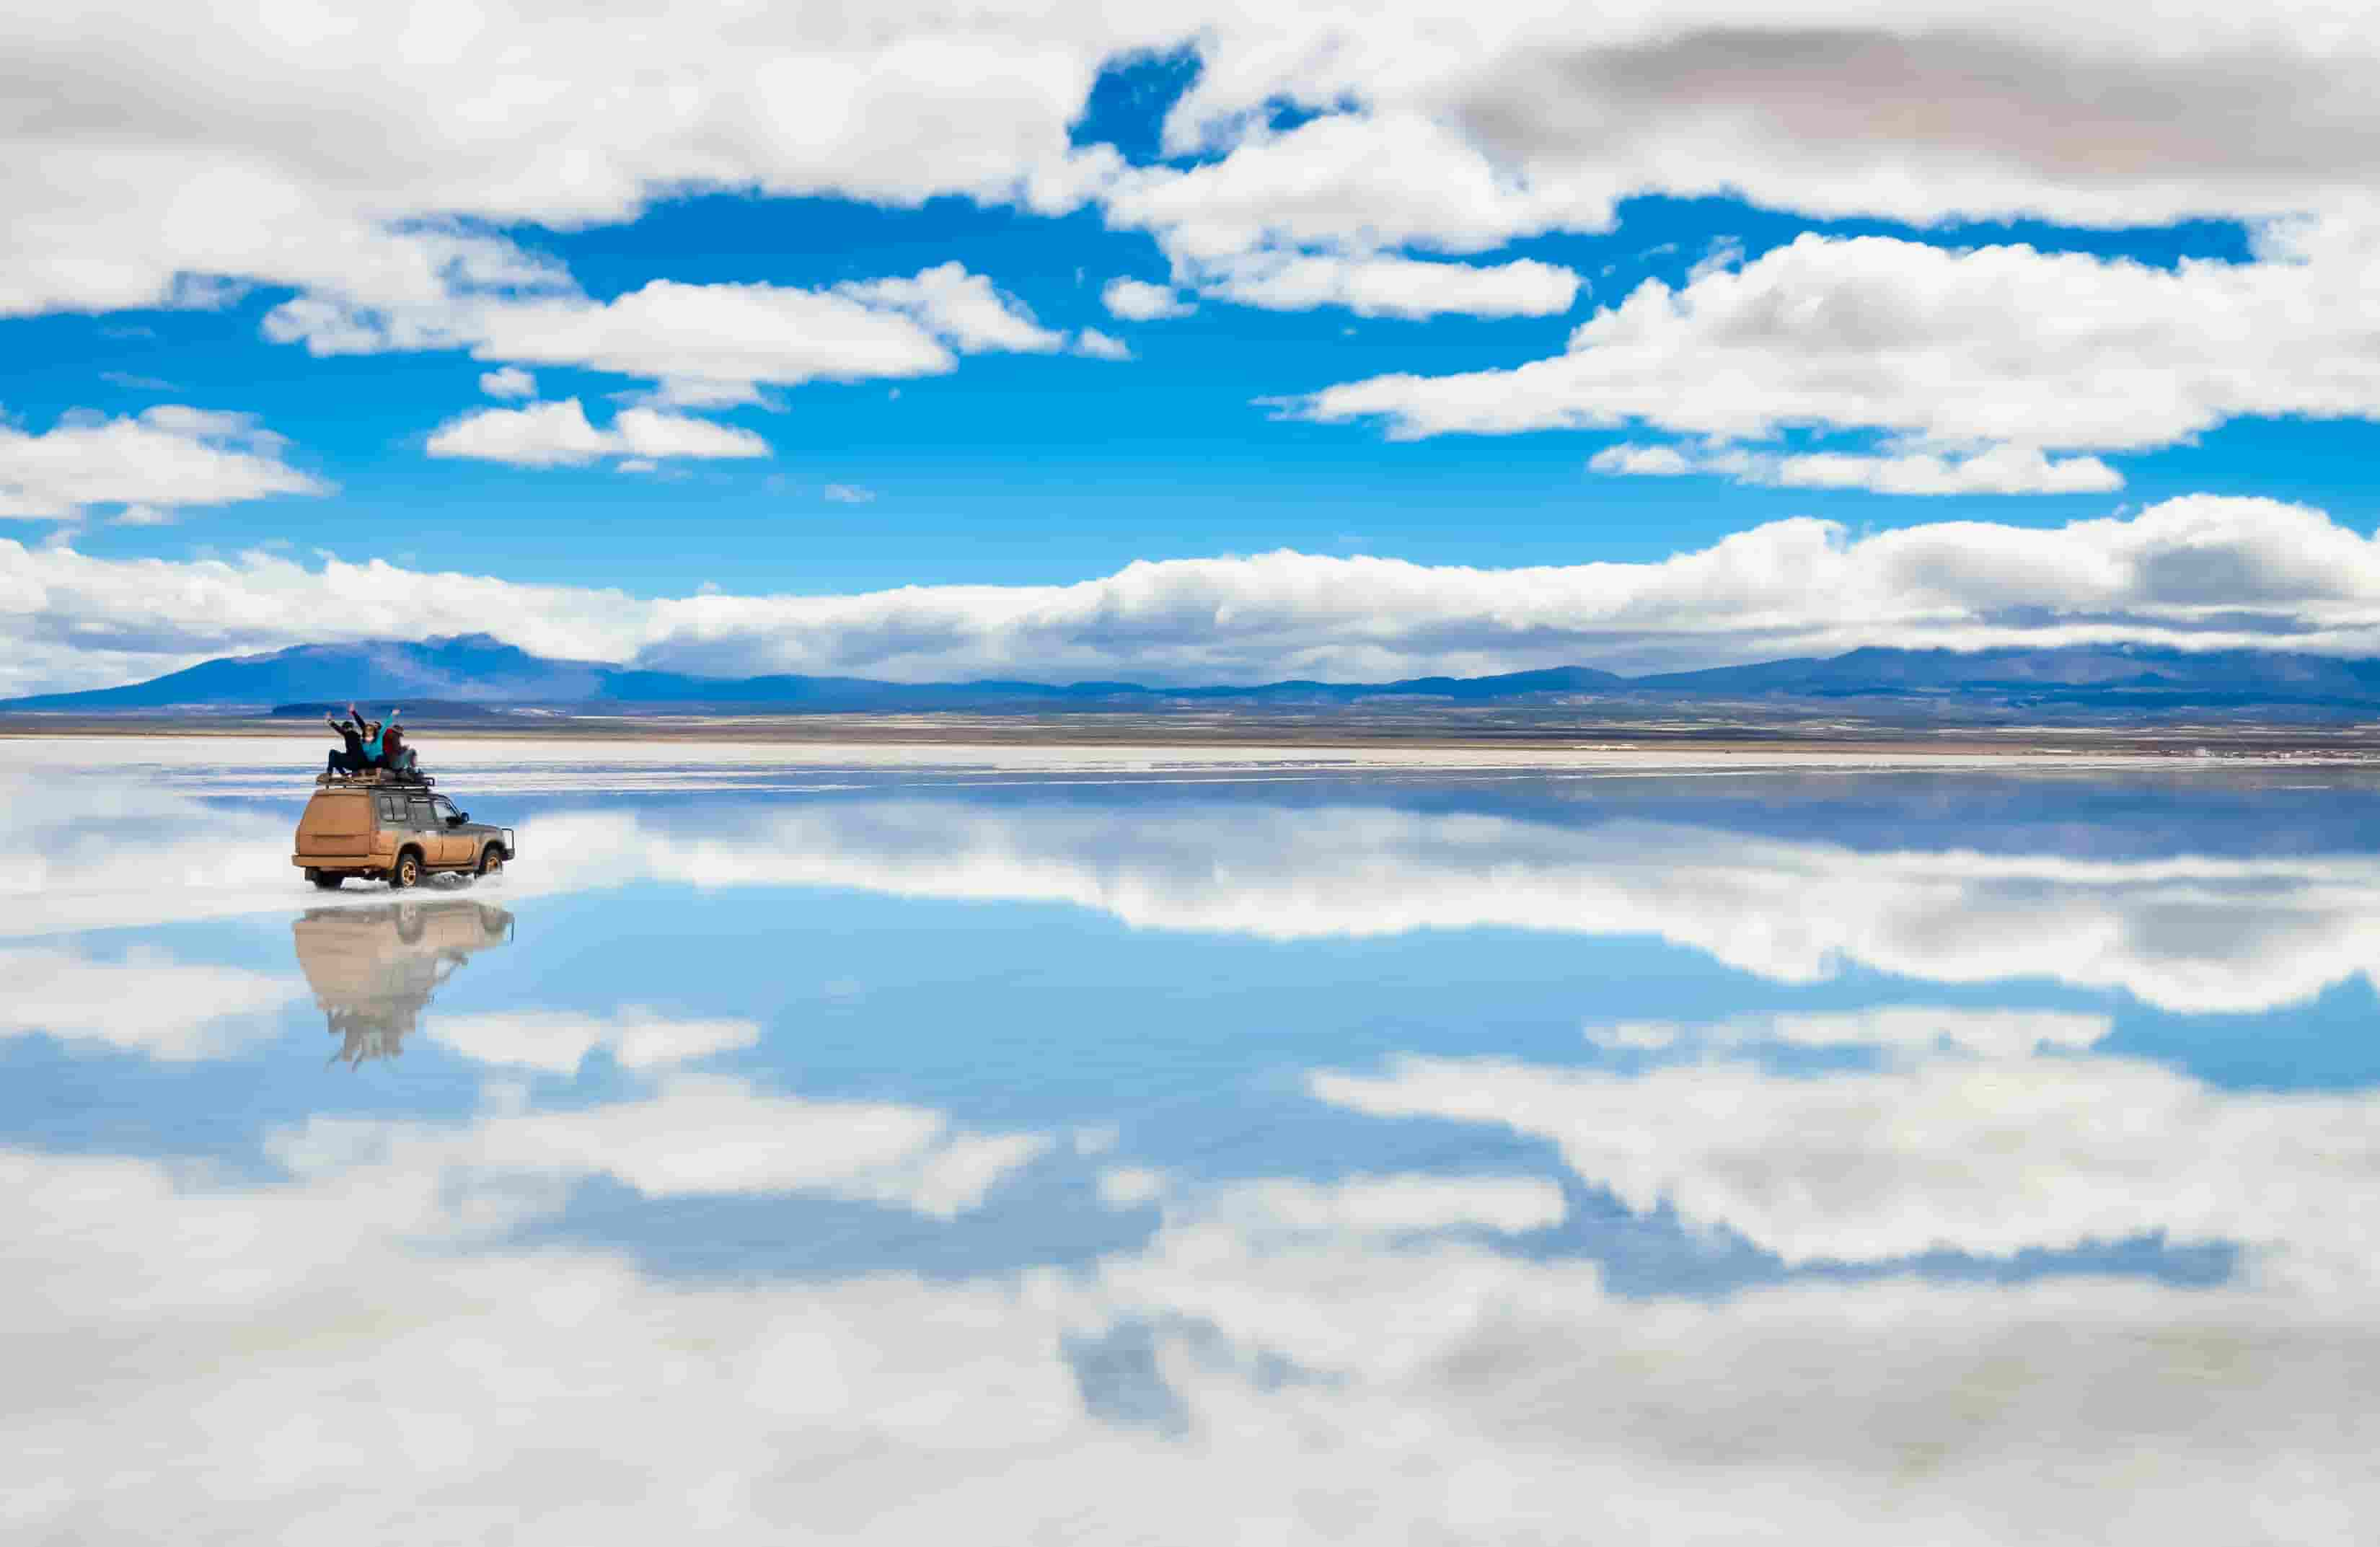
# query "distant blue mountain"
(475, 670)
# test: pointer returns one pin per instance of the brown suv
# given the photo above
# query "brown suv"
(396, 832)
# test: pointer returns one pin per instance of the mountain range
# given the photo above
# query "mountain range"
(476, 673)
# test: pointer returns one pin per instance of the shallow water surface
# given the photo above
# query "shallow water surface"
(797, 1145)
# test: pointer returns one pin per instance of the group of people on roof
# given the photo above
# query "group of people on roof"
(371, 744)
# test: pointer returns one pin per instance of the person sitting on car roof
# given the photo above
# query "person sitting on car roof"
(394, 754)
(371, 747)
(351, 759)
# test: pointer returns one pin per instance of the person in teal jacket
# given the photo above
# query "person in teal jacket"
(375, 731)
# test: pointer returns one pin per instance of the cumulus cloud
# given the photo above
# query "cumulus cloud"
(961, 307)
(558, 435)
(1136, 300)
(2198, 572)
(395, 146)
(509, 381)
(158, 462)
(848, 493)
(1950, 108)
(1100, 346)
(134, 175)
(1393, 286)
(2001, 348)
(2005, 469)
(1315, 216)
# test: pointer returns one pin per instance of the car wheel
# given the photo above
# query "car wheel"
(408, 872)
(492, 862)
(327, 880)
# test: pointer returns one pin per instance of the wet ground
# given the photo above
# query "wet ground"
(905, 1145)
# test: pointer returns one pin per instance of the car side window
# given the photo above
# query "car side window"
(422, 815)
(445, 808)
(391, 811)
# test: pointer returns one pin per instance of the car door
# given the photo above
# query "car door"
(394, 823)
(421, 818)
(457, 846)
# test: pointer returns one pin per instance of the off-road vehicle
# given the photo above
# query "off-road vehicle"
(392, 830)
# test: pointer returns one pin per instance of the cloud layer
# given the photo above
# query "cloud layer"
(2196, 572)
(149, 466)
(2001, 347)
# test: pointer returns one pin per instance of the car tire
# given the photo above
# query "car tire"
(327, 881)
(492, 862)
(405, 872)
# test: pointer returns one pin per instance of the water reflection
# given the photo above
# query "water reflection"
(374, 969)
(1416, 1164)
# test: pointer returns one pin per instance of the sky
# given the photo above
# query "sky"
(1195, 343)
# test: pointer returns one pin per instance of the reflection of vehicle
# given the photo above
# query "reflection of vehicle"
(399, 832)
(372, 969)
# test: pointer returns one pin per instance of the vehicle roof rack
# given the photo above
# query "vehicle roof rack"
(376, 778)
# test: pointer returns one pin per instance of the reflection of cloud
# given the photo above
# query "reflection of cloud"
(1989, 1157)
(351, 1341)
(1390, 1205)
(558, 1040)
(1899, 1029)
(712, 1134)
(2180, 930)
(144, 1002)
(2183, 932)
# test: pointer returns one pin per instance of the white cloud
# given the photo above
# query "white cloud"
(706, 345)
(1348, 183)
(2004, 470)
(1940, 109)
(558, 435)
(2198, 572)
(1136, 300)
(146, 171)
(1100, 346)
(1391, 286)
(158, 462)
(1642, 461)
(509, 381)
(144, 162)
(1999, 348)
(848, 493)
(960, 307)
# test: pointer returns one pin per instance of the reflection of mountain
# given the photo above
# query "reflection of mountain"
(372, 969)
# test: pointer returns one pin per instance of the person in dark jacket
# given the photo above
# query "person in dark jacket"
(350, 760)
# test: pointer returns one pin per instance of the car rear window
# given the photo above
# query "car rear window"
(392, 807)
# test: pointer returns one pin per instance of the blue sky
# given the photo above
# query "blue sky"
(2142, 334)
